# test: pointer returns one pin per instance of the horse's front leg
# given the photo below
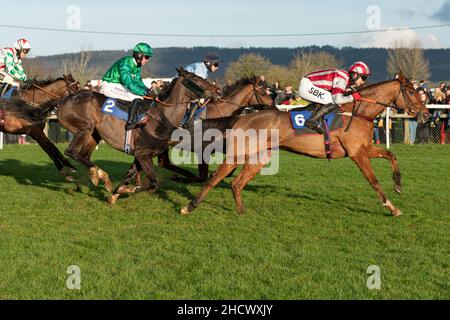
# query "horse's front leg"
(377, 152)
(362, 160)
(124, 186)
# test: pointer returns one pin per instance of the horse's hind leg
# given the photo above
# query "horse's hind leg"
(363, 162)
(376, 152)
(248, 172)
(83, 139)
(223, 170)
(58, 159)
(86, 152)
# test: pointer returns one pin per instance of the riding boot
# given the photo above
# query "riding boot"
(314, 122)
(3, 89)
(133, 114)
(188, 116)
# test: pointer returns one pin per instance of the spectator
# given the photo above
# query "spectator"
(421, 133)
(285, 97)
(423, 84)
(161, 85)
(154, 88)
(262, 82)
(376, 131)
(275, 89)
(413, 122)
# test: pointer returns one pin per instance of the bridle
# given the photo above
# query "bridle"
(60, 93)
(247, 99)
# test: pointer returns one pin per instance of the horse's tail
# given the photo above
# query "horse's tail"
(34, 115)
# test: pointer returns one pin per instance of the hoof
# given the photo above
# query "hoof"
(113, 199)
(71, 169)
(184, 211)
(69, 178)
(396, 213)
(398, 189)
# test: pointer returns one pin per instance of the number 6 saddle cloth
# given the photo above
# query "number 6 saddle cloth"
(299, 116)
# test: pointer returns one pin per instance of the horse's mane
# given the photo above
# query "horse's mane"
(374, 85)
(240, 83)
(41, 83)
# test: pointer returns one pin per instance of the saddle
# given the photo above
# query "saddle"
(331, 121)
(119, 108)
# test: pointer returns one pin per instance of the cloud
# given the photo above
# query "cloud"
(443, 14)
(406, 37)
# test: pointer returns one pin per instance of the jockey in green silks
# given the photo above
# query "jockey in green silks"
(123, 81)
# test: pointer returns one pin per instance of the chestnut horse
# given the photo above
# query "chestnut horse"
(356, 142)
(82, 115)
(27, 111)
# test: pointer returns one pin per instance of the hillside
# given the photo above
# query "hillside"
(166, 59)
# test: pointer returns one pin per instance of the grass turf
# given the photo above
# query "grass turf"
(310, 232)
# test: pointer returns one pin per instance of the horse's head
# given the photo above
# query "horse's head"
(72, 85)
(260, 98)
(409, 100)
(197, 86)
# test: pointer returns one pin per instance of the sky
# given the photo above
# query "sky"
(230, 17)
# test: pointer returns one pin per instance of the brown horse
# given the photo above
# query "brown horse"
(355, 143)
(82, 115)
(244, 94)
(27, 111)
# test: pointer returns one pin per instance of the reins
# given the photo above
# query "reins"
(354, 112)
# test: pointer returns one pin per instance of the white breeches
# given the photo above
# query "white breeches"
(117, 91)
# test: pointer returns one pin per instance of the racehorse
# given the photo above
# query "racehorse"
(27, 110)
(244, 94)
(354, 141)
(82, 115)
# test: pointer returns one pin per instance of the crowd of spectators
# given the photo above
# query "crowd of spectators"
(436, 130)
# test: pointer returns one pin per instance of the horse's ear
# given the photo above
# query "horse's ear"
(181, 71)
(401, 76)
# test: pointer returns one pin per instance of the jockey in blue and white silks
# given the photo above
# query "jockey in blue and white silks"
(202, 69)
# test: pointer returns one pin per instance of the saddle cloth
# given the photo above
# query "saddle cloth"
(299, 116)
(118, 109)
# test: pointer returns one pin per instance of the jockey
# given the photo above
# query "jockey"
(202, 69)
(123, 81)
(11, 70)
(327, 88)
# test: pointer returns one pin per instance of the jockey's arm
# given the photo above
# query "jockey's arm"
(338, 90)
(15, 70)
(136, 86)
